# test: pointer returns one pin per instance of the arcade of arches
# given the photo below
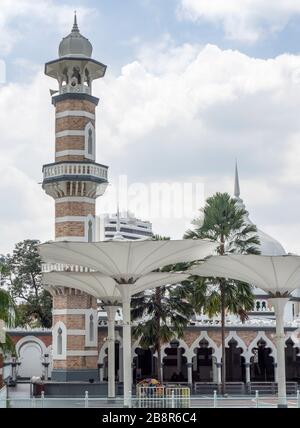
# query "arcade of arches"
(195, 358)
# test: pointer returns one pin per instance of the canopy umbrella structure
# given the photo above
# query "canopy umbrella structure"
(278, 275)
(107, 290)
(130, 264)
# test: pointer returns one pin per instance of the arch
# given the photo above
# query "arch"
(90, 228)
(182, 344)
(103, 356)
(262, 356)
(30, 339)
(240, 343)
(91, 337)
(103, 348)
(89, 141)
(57, 355)
(30, 351)
(261, 336)
(217, 350)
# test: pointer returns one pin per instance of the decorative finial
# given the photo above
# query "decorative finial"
(75, 28)
(236, 182)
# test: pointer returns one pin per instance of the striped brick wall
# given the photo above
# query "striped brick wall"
(72, 116)
(75, 324)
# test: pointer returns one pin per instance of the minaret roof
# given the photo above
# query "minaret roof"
(75, 45)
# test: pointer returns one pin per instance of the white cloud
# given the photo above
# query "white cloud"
(46, 11)
(243, 20)
(189, 116)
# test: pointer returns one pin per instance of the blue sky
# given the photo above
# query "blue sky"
(119, 27)
(191, 85)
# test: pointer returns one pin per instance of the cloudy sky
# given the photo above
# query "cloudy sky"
(191, 85)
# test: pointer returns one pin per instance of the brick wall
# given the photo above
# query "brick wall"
(72, 104)
(69, 228)
(74, 208)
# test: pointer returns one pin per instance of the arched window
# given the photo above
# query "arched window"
(90, 231)
(91, 328)
(59, 341)
(90, 142)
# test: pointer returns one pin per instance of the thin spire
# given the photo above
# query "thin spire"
(75, 28)
(118, 235)
(236, 182)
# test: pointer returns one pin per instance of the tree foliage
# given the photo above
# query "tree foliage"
(223, 220)
(22, 277)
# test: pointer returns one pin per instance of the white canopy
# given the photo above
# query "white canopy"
(126, 260)
(275, 274)
(105, 288)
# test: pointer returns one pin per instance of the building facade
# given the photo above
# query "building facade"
(126, 224)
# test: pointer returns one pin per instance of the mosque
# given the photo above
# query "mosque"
(76, 348)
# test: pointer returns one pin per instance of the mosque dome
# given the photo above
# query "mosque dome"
(75, 45)
(268, 246)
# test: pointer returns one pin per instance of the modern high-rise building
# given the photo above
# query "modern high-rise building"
(126, 224)
(74, 181)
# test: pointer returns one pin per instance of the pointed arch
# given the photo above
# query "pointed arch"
(212, 344)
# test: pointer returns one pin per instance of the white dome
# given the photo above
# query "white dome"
(269, 246)
(75, 44)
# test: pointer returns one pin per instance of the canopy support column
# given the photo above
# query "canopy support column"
(111, 315)
(127, 360)
(279, 305)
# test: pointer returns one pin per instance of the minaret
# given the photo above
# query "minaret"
(74, 181)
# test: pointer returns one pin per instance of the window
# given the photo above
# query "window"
(90, 142)
(91, 328)
(59, 341)
(90, 231)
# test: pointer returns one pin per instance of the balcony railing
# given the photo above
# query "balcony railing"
(60, 267)
(78, 169)
(78, 89)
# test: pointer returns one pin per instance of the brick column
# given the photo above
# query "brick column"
(77, 359)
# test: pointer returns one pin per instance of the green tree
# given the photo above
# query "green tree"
(22, 275)
(7, 315)
(224, 221)
(160, 314)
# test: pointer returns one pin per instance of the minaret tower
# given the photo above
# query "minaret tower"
(74, 181)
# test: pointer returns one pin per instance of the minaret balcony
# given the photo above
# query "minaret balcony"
(63, 179)
(76, 89)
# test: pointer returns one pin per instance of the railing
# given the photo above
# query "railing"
(170, 401)
(60, 267)
(271, 388)
(81, 89)
(81, 169)
(250, 322)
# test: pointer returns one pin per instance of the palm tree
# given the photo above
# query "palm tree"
(224, 221)
(160, 314)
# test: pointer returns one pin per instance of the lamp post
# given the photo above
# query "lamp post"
(15, 364)
(46, 364)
